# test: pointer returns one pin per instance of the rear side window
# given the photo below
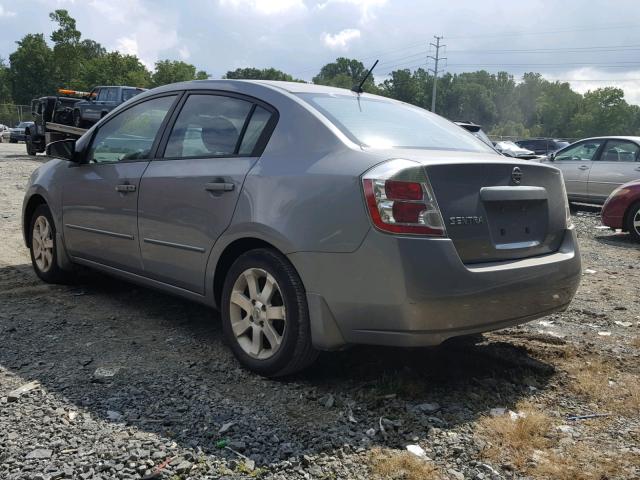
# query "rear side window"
(379, 123)
(256, 126)
(130, 134)
(619, 151)
(208, 126)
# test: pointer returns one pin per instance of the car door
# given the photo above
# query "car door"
(617, 164)
(575, 162)
(91, 108)
(187, 198)
(100, 196)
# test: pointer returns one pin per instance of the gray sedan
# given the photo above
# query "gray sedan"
(312, 217)
(595, 167)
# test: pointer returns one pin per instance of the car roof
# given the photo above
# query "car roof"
(614, 137)
(288, 87)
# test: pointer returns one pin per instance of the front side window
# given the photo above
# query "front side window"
(102, 94)
(620, 151)
(130, 134)
(208, 126)
(112, 94)
(380, 123)
(582, 152)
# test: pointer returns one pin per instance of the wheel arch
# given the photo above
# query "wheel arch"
(230, 253)
(34, 202)
(629, 210)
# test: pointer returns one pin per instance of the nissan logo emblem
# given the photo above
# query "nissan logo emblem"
(516, 175)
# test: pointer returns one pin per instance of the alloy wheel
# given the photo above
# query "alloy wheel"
(636, 222)
(257, 313)
(42, 243)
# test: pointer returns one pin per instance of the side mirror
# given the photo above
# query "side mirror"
(552, 156)
(65, 149)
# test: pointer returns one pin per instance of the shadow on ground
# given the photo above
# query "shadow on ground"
(177, 379)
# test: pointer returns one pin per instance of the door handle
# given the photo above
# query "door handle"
(125, 188)
(584, 167)
(638, 168)
(219, 186)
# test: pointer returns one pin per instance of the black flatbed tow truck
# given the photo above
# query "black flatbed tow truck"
(53, 120)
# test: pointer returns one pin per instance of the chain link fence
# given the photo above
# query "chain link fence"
(12, 114)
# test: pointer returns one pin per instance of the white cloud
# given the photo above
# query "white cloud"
(265, 7)
(6, 13)
(584, 79)
(365, 7)
(184, 52)
(340, 40)
(127, 45)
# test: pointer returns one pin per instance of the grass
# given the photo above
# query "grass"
(516, 440)
(387, 464)
(582, 462)
(611, 389)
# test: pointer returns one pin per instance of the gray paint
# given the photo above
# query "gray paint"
(304, 197)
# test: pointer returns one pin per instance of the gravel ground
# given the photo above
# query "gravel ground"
(132, 383)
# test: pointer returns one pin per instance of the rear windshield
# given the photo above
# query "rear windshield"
(379, 123)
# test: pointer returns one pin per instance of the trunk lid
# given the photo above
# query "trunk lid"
(496, 208)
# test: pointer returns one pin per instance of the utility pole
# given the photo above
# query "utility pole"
(436, 59)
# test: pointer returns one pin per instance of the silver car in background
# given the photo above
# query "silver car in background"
(595, 167)
(312, 217)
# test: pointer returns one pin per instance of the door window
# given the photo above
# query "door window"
(583, 152)
(102, 94)
(620, 151)
(130, 135)
(112, 94)
(208, 126)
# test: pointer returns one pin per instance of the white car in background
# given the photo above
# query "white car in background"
(4, 133)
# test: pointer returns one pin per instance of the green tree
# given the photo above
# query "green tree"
(31, 69)
(5, 82)
(172, 71)
(555, 108)
(345, 73)
(259, 74)
(66, 49)
(113, 68)
(403, 86)
(604, 112)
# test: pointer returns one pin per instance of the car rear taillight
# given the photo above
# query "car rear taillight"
(400, 199)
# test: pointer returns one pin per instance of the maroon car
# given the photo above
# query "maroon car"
(622, 209)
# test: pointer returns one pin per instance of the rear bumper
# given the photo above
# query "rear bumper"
(404, 291)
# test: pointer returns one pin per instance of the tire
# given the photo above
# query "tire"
(31, 150)
(632, 221)
(282, 316)
(77, 119)
(45, 260)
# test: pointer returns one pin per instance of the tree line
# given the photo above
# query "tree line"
(528, 106)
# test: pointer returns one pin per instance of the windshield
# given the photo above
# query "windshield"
(23, 125)
(379, 123)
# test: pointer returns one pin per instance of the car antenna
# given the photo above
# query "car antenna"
(358, 88)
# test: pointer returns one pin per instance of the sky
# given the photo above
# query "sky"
(590, 43)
